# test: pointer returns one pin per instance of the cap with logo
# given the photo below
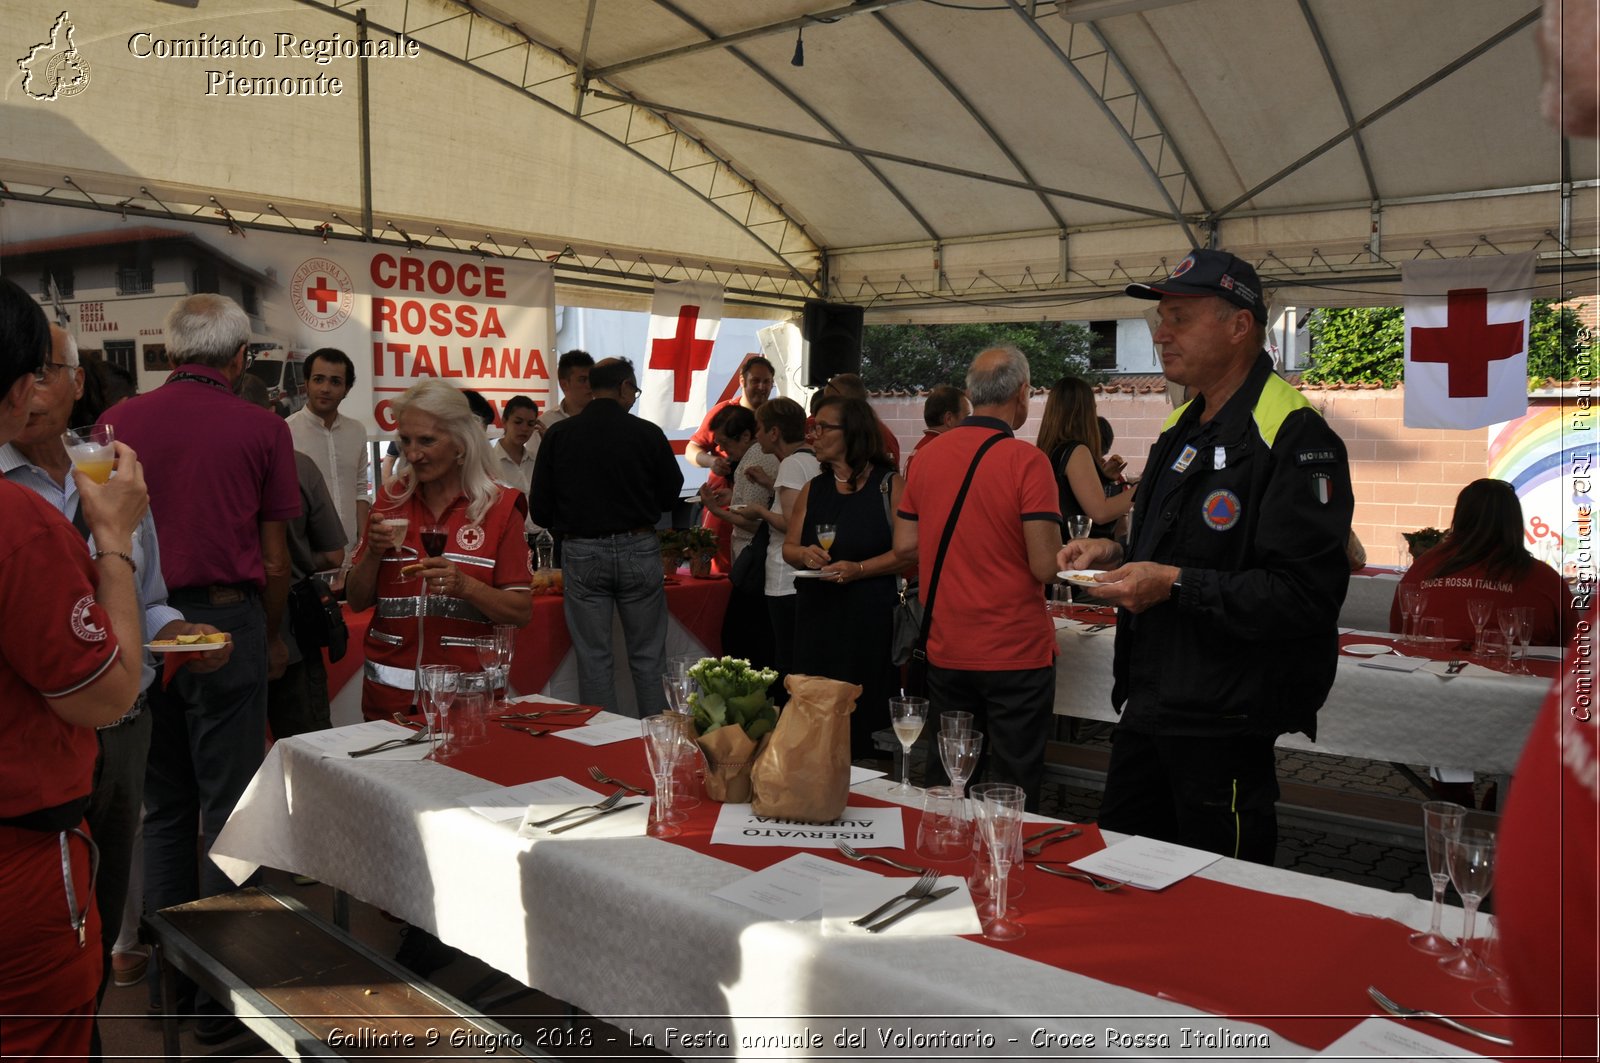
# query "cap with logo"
(1207, 272)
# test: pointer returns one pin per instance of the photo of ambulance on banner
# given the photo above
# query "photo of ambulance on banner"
(485, 323)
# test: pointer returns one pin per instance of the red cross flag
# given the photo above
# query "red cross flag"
(684, 317)
(1467, 340)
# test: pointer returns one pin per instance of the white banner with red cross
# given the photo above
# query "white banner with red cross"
(1466, 341)
(684, 317)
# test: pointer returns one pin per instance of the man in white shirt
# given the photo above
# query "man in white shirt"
(336, 444)
(572, 373)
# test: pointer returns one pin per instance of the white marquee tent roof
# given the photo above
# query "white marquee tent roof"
(931, 160)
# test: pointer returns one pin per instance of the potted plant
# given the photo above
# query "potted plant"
(700, 544)
(671, 542)
(1422, 540)
(732, 714)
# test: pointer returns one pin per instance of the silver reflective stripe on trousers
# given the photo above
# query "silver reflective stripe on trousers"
(384, 675)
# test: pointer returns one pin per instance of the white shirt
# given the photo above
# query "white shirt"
(340, 454)
(746, 490)
(794, 472)
(514, 473)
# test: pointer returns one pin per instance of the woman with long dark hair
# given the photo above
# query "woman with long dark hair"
(1483, 556)
(1069, 434)
(842, 531)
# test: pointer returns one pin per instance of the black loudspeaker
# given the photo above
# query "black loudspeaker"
(832, 333)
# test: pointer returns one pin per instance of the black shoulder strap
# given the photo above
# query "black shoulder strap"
(949, 533)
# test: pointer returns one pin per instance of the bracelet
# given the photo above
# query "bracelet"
(861, 570)
(117, 553)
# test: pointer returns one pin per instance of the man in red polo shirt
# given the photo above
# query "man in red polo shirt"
(222, 487)
(991, 647)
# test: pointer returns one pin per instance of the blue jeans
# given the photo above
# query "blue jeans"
(622, 574)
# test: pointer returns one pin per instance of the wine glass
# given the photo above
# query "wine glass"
(438, 683)
(1409, 596)
(825, 535)
(505, 638)
(1470, 857)
(1479, 610)
(488, 650)
(958, 751)
(1419, 605)
(661, 750)
(1495, 997)
(434, 537)
(1509, 622)
(91, 450)
(1524, 637)
(1000, 818)
(1079, 527)
(467, 712)
(1441, 821)
(907, 715)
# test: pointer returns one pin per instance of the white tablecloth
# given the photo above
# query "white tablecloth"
(1367, 602)
(627, 929)
(1463, 722)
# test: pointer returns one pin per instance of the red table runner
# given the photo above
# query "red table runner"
(1294, 966)
(1444, 651)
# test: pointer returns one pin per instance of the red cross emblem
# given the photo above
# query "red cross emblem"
(322, 294)
(681, 353)
(1467, 343)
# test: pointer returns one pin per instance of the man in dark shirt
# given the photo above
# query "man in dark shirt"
(601, 481)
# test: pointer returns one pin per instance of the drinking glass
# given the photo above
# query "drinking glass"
(469, 712)
(907, 715)
(942, 831)
(1079, 527)
(488, 649)
(661, 750)
(677, 688)
(825, 535)
(1441, 821)
(681, 663)
(1430, 630)
(1496, 997)
(1000, 818)
(1479, 610)
(1494, 649)
(1409, 597)
(438, 683)
(1509, 620)
(1419, 605)
(400, 524)
(1060, 601)
(958, 751)
(505, 638)
(91, 451)
(434, 538)
(1524, 637)
(1470, 857)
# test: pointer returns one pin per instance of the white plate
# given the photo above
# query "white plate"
(193, 647)
(1367, 649)
(1085, 576)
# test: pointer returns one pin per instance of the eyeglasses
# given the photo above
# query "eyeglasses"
(41, 375)
(824, 426)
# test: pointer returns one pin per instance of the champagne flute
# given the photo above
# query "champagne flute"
(488, 650)
(661, 750)
(958, 751)
(1419, 605)
(439, 682)
(1524, 636)
(1470, 856)
(1479, 610)
(1001, 821)
(825, 535)
(399, 524)
(1495, 997)
(91, 450)
(1508, 621)
(1441, 821)
(907, 715)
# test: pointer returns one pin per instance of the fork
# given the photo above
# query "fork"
(919, 889)
(599, 806)
(539, 714)
(404, 721)
(1035, 850)
(599, 776)
(849, 852)
(392, 743)
(1402, 1012)
(1101, 884)
(1454, 667)
(527, 730)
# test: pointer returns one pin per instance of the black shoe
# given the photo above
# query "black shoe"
(422, 953)
(216, 1029)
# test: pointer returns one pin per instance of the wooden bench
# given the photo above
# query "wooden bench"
(307, 988)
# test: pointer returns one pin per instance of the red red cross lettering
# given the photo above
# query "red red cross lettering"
(321, 294)
(681, 353)
(1467, 343)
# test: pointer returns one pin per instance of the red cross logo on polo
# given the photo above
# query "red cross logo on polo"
(682, 353)
(83, 624)
(322, 294)
(1466, 342)
(470, 537)
(1220, 510)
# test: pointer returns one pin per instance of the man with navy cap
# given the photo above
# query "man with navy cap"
(1232, 579)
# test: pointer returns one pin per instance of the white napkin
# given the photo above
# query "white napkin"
(1393, 662)
(851, 898)
(1442, 670)
(629, 823)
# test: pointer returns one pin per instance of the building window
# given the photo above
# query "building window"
(137, 279)
(120, 353)
(205, 278)
(248, 300)
(63, 279)
(1103, 348)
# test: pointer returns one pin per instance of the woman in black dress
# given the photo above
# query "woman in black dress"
(1069, 433)
(845, 611)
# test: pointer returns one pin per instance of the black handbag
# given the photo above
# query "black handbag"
(917, 663)
(318, 620)
(749, 572)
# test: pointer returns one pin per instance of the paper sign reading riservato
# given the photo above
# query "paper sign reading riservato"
(864, 828)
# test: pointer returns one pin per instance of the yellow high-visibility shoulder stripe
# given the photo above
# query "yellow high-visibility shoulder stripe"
(1172, 418)
(1278, 400)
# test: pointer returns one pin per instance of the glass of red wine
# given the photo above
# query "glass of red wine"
(434, 537)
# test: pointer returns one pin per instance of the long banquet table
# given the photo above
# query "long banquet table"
(627, 928)
(1467, 722)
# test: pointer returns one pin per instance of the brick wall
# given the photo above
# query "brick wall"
(1404, 478)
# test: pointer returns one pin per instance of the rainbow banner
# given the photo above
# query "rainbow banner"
(1549, 455)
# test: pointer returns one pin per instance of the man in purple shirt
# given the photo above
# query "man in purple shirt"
(222, 483)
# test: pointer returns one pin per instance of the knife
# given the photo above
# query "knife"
(597, 815)
(1030, 839)
(912, 907)
(1035, 850)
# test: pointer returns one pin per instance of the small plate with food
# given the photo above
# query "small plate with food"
(1367, 649)
(1082, 577)
(189, 643)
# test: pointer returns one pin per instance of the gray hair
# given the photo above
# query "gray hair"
(207, 329)
(448, 406)
(999, 383)
(69, 344)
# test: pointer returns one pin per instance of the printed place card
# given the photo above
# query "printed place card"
(864, 828)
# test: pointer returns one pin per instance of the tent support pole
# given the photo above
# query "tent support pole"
(365, 100)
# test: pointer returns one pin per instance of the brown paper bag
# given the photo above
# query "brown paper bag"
(804, 772)
(729, 755)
